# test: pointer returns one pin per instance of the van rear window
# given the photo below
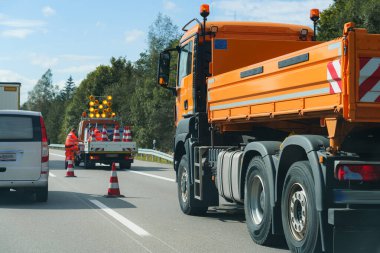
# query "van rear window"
(19, 128)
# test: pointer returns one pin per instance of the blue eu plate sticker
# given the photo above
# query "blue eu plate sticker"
(220, 44)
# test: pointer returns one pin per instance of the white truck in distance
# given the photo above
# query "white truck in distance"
(107, 152)
(9, 95)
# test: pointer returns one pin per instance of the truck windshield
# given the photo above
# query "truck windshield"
(185, 60)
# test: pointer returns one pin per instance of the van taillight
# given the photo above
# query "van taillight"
(44, 140)
(358, 172)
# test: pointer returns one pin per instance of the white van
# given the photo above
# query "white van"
(24, 152)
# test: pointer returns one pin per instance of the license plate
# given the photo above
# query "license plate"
(112, 155)
(7, 157)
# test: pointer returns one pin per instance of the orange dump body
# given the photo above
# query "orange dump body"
(339, 78)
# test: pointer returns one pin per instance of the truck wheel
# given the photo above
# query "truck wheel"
(258, 212)
(42, 194)
(88, 164)
(189, 205)
(76, 162)
(125, 165)
(299, 213)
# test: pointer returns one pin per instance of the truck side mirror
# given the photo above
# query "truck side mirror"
(164, 69)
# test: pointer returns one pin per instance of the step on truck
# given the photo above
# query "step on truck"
(289, 127)
(107, 149)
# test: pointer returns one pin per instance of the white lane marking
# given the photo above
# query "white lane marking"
(129, 224)
(52, 175)
(150, 175)
(56, 154)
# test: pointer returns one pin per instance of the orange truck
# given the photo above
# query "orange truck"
(268, 117)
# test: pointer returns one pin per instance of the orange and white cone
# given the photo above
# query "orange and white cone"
(113, 189)
(93, 137)
(127, 135)
(104, 133)
(70, 169)
(116, 134)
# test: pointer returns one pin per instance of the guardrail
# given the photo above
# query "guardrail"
(156, 153)
(57, 146)
(143, 151)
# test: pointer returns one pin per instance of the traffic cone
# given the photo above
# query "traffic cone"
(127, 135)
(116, 134)
(104, 133)
(93, 137)
(113, 189)
(70, 169)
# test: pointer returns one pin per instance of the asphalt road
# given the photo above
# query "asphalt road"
(78, 218)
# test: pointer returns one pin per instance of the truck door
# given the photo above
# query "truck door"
(184, 100)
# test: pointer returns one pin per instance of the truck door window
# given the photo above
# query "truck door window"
(185, 61)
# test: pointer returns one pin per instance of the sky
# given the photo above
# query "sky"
(73, 37)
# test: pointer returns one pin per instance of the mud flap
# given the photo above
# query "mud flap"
(355, 230)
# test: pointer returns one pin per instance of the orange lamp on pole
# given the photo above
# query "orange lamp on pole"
(204, 10)
(314, 16)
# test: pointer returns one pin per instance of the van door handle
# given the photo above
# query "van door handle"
(3, 169)
(186, 104)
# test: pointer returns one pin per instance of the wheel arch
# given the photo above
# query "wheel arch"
(297, 148)
(265, 149)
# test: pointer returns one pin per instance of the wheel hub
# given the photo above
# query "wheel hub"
(257, 200)
(298, 211)
(184, 185)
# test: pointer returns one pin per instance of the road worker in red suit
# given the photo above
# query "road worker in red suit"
(71, 145)
(98, 134)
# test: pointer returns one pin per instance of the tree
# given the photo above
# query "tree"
(43, 98)
(364, 14)
(152, 107)
(68, 91)
(42, 93)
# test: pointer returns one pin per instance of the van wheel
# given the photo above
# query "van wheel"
(299, 214)
(258, 212)
(42, 194)
(189, 205)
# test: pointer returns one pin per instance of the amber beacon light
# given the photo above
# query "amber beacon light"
(204, 10)
(314, 15)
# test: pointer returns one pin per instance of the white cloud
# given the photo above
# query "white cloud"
(285, 11)
(19, 28)
(43, 60)
(27, 84)
(48, 11)
(20, 23)
(100, 25)
(16, 33)
(77, 58)
(133, 35)
(169, 5)
(77, 69)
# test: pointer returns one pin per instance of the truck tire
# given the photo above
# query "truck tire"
(42, 194)
(76, 161)
(88, 164)
(125, 165)
(299, 214)
(258, 212)
(189, 205)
